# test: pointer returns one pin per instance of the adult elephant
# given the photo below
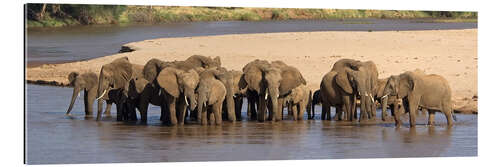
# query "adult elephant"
(365, 80)
(330, 95)
(430, 92)
(348, 90)
(211, 94)
(178, 92)
(226, 77)
(254, 76)
(86, 82)
(114, 76)
(281, 79)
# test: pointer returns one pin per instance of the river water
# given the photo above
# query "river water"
(53, 138)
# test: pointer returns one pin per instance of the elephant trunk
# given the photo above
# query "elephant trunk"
(310, 106)
(363, 108)
(201, 104)
(276, 113)
(384, 107)
(76, 92)
(230, 104)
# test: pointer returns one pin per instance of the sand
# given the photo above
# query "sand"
(449, 53)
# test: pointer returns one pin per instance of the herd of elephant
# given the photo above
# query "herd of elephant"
(201, 90)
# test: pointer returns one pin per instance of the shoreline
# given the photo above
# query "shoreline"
(312, 53)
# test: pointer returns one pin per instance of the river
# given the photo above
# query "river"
(53, 138)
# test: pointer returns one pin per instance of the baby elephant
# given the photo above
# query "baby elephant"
(299, 101)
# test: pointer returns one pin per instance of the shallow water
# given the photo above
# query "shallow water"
(53, 137)
(56, 45)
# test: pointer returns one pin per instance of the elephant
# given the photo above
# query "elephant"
(365, 79)
(253, 75)
(391, 101)
(178, 92)
(348, 91)
(114, 76)
(154, 66)
(228, 109)
(88, 83)
(211, 94)
(239, 89)
(316, 100)
(330, 95)
(431, 92)
(300, 100)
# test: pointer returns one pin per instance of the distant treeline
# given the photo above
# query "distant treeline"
(56, 15)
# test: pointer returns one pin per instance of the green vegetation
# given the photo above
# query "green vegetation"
(57, 15)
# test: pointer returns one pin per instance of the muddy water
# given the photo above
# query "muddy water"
(56, 45)
(53, 137)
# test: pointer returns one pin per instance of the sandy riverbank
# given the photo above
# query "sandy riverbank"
(450, 53)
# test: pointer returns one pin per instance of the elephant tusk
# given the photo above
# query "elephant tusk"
(185, 99)
(78, 95)
(265, 97)
(371, 97)
(159, 93)
(234, 96)
(102, 94)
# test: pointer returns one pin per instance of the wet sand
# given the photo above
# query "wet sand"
(450, 53)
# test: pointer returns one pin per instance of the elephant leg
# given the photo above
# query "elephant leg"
(181, 108)
(323, 111)
(347, 105)
(431, 117)
(413, 106)
(90, 104)
(131, 110)
(279, 113)
(143, 109)
(203, 115)
(217, 111)
(253, 111)
(354, 110)
(294, 111)
(171, 108)
(85, 102)
(261, 115)
(338, 113)
(119, 111)
(448, 112)
(238, 103)
(108, 108)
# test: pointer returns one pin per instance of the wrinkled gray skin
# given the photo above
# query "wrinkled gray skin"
(114, 76)
(348, 90)
(253, 74)
(388, 100)
(299, 101)
(330, 95)
(211, 94)
(227, 79)
(88, 83)
(178, 91)
(430, 92)
(365, 80)
(154, 66)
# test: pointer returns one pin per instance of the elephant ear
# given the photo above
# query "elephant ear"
(167, 79)
(122, 72)
(342, 81)
(151, 69)
(217, 61)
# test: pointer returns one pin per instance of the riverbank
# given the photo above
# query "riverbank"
(450, 53)
(56, 16)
